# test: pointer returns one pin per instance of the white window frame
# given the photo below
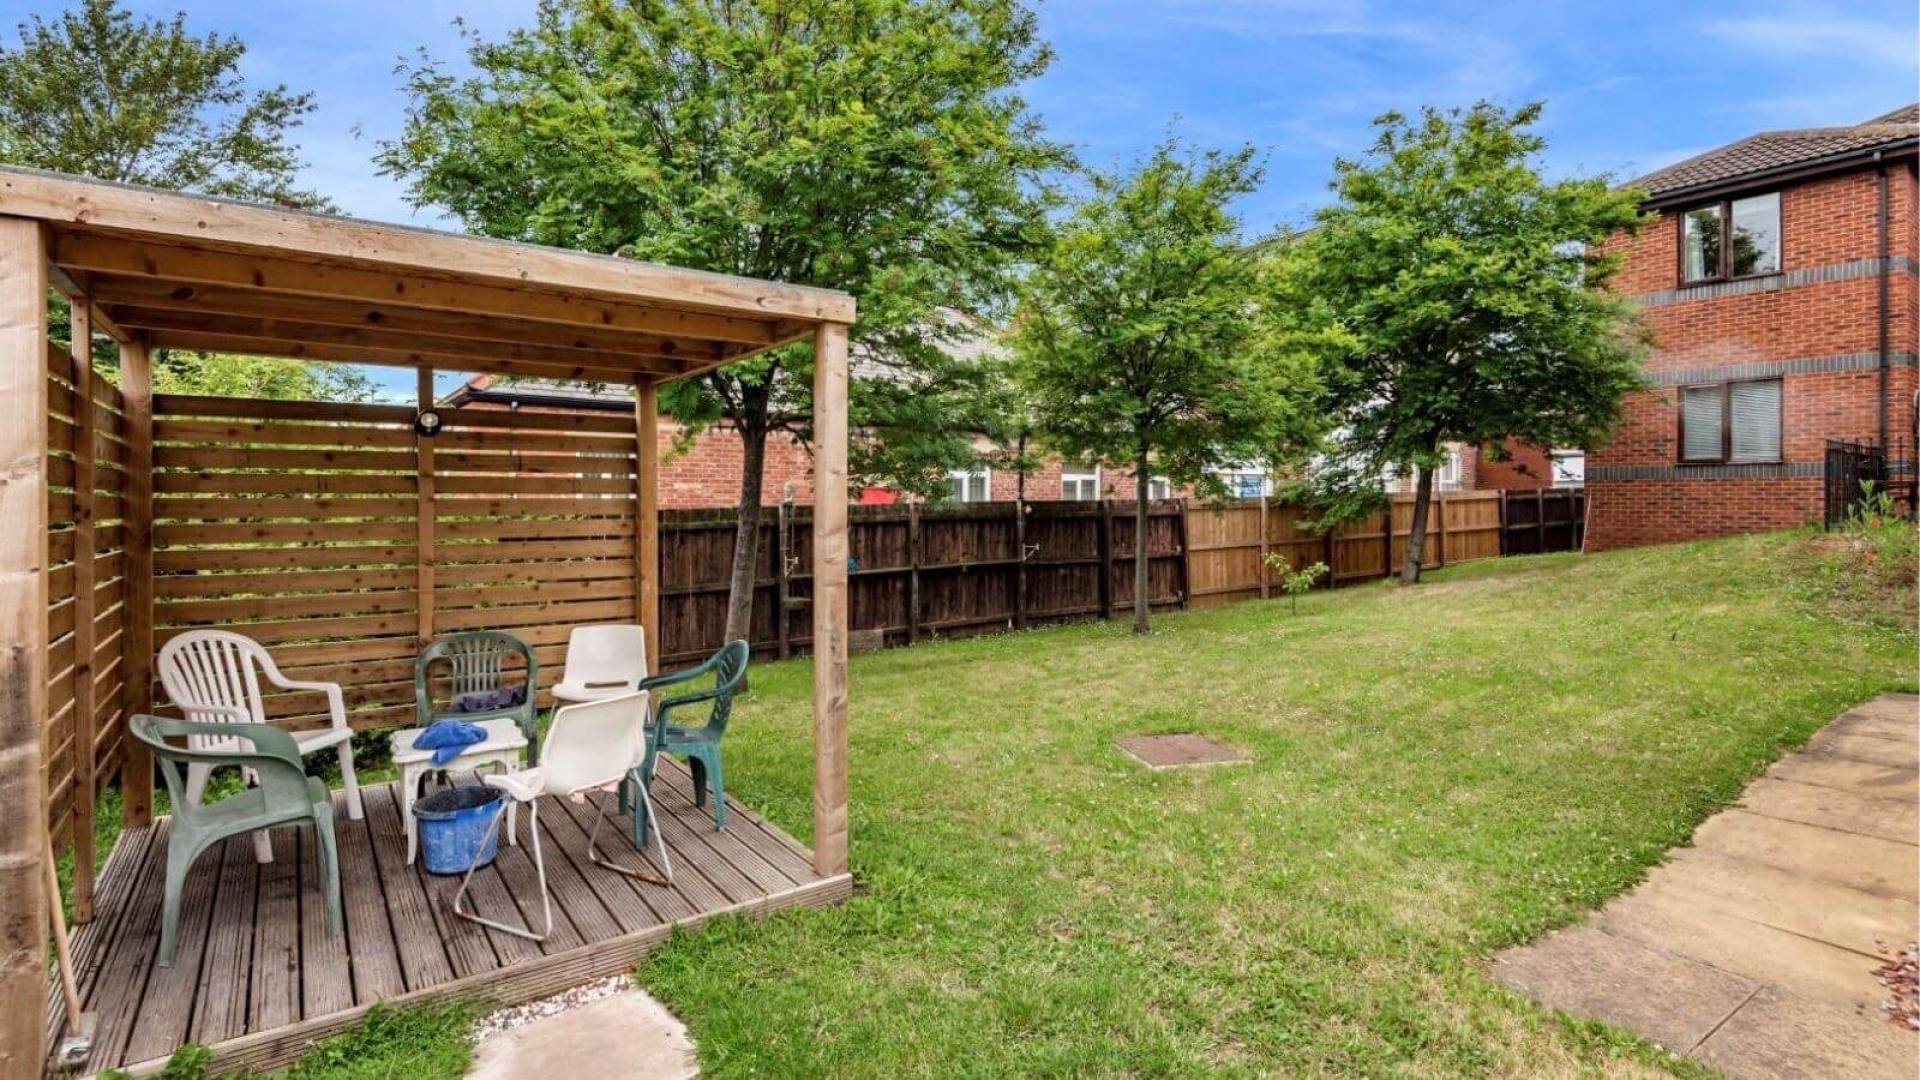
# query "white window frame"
(1576, 477)
(1076, 475)
(1232, 477)
(983, 474)
(1159, 487)
(1447, 477)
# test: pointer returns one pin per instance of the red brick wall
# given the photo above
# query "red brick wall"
(1638, 492)
(1525, 466)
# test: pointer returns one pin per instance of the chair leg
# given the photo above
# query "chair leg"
(262, 842)
(347, 780)
(327, 857)
(646, 875)
(698, 766)
(179, 860)
(540, 867)
(717, 781)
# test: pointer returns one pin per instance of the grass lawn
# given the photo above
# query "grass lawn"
(1438, 772)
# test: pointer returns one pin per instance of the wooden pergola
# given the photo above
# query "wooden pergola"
(78, 570)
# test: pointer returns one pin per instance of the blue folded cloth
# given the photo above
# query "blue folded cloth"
(446, 738)
(505, 697)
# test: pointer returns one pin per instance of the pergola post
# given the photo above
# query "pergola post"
(830, 599)
(23, 646)
(85, 716)
(424, 515)
(646, 536)
(136, 390)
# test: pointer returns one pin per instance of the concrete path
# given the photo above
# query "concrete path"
(628, 1036)
(1754, 950)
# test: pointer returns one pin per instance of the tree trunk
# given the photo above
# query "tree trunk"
(1417, 532)
(1140, 598)
(746, 535)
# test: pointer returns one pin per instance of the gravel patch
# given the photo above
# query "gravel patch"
(566, 1001)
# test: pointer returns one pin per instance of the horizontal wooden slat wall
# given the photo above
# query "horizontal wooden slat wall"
(292, 523)
(534, 527)
(65, 756)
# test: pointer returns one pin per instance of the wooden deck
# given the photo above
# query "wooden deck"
(258, 978)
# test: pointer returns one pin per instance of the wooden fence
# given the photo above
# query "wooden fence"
(1229, 544)
(1542, 520)
(920, 572)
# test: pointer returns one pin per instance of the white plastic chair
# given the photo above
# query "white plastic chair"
(212, 676)
(602, 662)
(589, 747)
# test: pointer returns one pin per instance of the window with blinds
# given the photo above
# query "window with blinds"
(1755, 411)
(1731, 422)
(969, 485)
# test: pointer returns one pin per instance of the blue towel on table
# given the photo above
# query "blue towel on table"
(446, 738)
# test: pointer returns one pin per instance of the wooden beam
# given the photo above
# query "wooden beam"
(305, 350)
(209, 223)
(85, 717)
(170, 265)
(136, 390)
(23, 645)
(646, 529)
(830, 599)
(424, 511)
(376, 337)
(479, 325)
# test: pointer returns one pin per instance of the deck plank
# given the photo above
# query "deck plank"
(425, 953)
(226, 976)
(89, 942)
(373, 958)
(117, 993)
(258, 978)
(326, 980)
(167, 1006)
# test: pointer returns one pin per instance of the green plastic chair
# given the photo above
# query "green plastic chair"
(479, 662)
(701, 745)
(284, 795)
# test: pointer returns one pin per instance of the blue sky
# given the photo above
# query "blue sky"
(1630, 85)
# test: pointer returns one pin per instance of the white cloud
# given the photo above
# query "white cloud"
(1822, 34)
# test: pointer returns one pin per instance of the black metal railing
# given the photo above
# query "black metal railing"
(1857, 471)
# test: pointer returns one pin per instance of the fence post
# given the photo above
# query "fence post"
(1540, 507)
(1386, 540)
(1103, 546)
(1020, 568)
(1440, 544)
(1328, 543)
(913, 572)
(1503, 522)
(1263, 548)
(1186, 553)
(783, 586)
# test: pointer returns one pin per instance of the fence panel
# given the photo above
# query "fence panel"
(1541, 520)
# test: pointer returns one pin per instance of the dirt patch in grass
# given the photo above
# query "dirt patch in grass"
(1865, 575)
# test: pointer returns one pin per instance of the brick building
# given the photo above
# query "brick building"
(706, 473)
(1779, 284)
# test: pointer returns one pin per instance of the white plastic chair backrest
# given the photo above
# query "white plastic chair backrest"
(594, 743)
(606, 654)
(208, 670)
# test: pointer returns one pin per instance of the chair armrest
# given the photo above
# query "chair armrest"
(336, 700)
(269, 742)
(672, 677)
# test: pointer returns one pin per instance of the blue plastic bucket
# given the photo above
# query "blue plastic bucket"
(453, 822)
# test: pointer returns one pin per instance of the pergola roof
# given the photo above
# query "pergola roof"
(190, 271)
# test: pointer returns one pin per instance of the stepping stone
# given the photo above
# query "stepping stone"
(1665, 917)
(1781, 1034)
(1175, 751)
(1859, 777)
(1861, 862)
(1829, 913)
(1868, 749)
(628, 1036)
(1897, 722)
(1672, 1000)
(1897, 820)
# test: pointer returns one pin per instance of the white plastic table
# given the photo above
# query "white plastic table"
(503, 747)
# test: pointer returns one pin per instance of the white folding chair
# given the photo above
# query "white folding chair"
(602, 662)
(589, 748)
(212, 676)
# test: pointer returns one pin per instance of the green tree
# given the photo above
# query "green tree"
(876, 146)
(96, 92)
(1456, 295)
(1141, 340)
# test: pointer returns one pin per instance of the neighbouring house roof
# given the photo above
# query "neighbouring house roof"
(1772, 154)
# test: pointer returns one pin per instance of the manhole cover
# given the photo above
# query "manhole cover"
(1174, 751)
